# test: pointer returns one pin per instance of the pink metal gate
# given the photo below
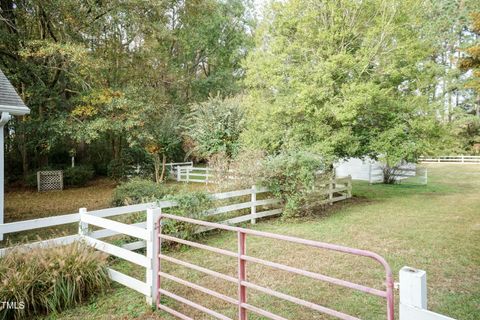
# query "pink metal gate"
(243, 284)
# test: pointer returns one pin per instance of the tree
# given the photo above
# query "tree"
(335, 78)
(472, 63)
(159, 132)
(216, 125)
(78, 66)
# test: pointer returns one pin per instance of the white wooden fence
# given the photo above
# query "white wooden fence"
(96, 225)
(413, 296)
(173, 167)
(337, 189)
(451, 159)
(194, 174)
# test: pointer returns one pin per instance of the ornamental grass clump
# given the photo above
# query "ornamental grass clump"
(49, 280)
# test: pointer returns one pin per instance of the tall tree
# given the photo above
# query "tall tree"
(471, 63)
(334, 77)
(79, 65)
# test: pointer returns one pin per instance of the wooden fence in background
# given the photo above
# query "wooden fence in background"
(451, 159)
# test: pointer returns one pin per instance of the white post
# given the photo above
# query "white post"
(187, 170)
(82, 226)
(3, 120)
(413, 296)
(152, 253)
(253, 208)
(330, 192)
(349, 186)
(178, 168)
(370, 173)
(413, 288)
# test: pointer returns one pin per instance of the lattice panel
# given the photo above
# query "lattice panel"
(50, 180)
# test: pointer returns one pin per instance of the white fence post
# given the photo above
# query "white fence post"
(413, 296)
(152, 250)
(82, 226)
(370, 173)
(253, 209)
(330, 192)
(179, 177)
(413, 287)
(187, 171)
(349, 186)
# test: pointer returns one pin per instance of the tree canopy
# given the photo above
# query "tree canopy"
(118, 83)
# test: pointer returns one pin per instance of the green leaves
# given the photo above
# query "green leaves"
(332, 77)
(215, 126)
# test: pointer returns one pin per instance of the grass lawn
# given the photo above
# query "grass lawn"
(434, 227)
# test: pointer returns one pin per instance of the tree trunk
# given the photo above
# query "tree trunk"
(156, 164)
(164, 161)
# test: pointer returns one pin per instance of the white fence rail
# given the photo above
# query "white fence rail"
(450, 159)
(95, 225)
(413, 296)
(174, 166)
(194, 174)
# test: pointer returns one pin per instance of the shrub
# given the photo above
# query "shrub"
(237, 173)
(116, 169)
(190, 204)
(291, 177)
(50, 279)
(216, 125)
(77, 176)
(31, 180)
(138, 191)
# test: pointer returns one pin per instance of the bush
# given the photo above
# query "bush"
(77, 176)
(189, 204)
(291, 177)
(50, 279)
(238, 173)
(31, 180)
(138, 191)
(116, 169)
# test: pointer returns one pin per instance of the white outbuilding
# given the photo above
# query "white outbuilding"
(10, 105)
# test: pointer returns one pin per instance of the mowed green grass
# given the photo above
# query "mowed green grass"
(435, 228)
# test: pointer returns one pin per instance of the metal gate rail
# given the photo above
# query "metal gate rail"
(242, 282)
